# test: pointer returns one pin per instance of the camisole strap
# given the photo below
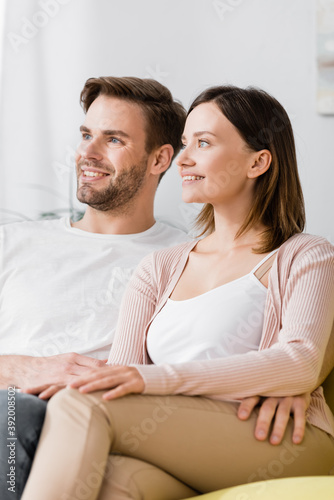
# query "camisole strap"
(264, 265)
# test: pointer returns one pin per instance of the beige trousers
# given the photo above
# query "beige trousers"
(162, 448)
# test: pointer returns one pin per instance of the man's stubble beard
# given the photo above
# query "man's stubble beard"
(118, 196)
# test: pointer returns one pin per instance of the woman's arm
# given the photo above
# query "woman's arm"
(137, 308)
(142, 292)
(289, 367)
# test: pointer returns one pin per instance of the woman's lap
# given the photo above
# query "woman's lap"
(198, 440)
(128, 478)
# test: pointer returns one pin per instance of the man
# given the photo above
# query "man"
(61, 282)
(68, 302)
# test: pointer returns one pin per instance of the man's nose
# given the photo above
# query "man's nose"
(90, 150)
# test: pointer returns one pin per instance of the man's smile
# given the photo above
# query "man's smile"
(91, 174)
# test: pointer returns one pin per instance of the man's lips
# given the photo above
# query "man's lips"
(92, 174)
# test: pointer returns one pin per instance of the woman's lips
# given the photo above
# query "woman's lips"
(191, 178)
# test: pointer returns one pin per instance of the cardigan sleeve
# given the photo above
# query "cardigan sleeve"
(137, 308)
(291, 366)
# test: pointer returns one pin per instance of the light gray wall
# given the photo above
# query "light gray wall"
(186, 44)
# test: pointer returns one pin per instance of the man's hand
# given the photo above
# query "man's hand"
(32, 372)
(44, 391)
(121, 380)
(277, 411)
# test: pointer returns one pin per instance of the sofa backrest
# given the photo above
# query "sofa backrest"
(328, 387)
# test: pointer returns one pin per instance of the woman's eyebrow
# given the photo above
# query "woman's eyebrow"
(199, 133)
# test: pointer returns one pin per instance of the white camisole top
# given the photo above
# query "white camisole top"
(224, 321)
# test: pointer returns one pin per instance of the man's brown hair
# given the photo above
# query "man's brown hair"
(263, 124)
(165, 117)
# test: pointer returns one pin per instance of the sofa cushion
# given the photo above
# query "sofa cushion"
(292, 488)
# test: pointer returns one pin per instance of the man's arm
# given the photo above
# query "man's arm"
(29, 371)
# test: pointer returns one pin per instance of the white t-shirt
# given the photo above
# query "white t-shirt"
(61, 287)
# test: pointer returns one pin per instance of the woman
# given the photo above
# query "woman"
(245, 311)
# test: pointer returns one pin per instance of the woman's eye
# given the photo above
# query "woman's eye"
(183, 146)
(202, 143)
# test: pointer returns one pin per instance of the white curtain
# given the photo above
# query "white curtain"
(52, 46)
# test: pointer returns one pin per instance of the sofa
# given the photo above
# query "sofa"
(295, 488)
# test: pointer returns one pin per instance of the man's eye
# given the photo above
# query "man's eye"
(202, 143)
(86, 137)
(114, 140)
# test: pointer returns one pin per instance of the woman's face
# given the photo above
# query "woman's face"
(215, 161)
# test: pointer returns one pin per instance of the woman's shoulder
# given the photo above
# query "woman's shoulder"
(304, 241)
(158, 267)
(166, 256)
(304, 245)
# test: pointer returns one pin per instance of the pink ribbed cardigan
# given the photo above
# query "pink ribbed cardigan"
(298, 320)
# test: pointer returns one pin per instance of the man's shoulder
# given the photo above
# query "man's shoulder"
(171, 233)
(31, 225)
(161, 235)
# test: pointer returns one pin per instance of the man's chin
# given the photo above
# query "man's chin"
(81, 195)
(86, 199)
(93, 201)
(85, 194)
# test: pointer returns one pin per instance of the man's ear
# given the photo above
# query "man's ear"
(162, 158)
(261, 163)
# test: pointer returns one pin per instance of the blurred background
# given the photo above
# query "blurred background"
(50, 47)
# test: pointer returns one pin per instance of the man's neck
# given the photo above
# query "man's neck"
(95, 221)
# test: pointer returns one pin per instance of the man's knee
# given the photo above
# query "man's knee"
(3, 407)
(26, 414)
(30, 413)
(26, 410)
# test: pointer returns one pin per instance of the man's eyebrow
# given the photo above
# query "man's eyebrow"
(116, 132)
(84, 129)
(107, 132)
(201, 132)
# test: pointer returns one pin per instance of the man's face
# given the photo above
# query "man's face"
(111, 160)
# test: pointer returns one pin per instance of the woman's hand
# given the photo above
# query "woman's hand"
(121, 380)
(276, 412)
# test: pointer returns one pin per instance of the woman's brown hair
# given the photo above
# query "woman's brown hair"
(278, 199)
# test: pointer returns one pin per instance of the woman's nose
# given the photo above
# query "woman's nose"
(184, 158)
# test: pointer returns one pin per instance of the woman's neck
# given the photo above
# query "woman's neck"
(226, 228)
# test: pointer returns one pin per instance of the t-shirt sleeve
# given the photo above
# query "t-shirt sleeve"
(137, 308)
(291, 366)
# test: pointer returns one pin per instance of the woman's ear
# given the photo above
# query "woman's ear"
(162, 158)
(261, 163)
